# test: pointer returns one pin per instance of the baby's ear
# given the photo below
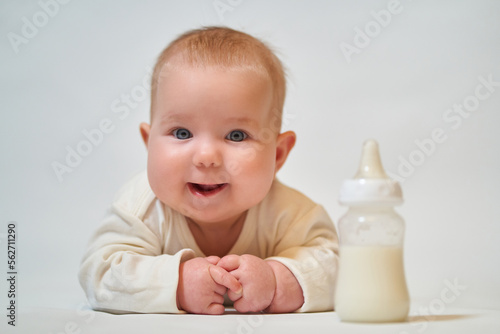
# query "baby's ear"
(284, 145)
(145, 128)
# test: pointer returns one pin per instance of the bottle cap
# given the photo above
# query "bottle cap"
(371, 185)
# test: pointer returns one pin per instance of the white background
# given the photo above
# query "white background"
(72, 69)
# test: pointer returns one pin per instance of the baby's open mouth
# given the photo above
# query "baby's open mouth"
(206, 189)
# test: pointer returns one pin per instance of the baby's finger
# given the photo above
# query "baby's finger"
(222, 277)
(220, 289)
(215, 309)
(218, 299)
(234, 296)
(213, 259)
(229, 262)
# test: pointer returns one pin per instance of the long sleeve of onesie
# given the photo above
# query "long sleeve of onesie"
(124, 269)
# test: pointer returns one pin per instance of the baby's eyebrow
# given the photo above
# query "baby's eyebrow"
(183, 118)
(174, 117)
(246, 120)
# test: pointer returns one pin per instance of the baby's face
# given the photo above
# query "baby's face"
(211, 149)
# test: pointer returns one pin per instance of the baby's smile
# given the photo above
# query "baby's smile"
(206, 189)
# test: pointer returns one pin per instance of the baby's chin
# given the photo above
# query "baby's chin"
(206, 220)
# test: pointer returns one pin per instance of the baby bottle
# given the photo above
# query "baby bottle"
(371, 285)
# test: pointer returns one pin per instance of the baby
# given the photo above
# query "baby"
(209, 224)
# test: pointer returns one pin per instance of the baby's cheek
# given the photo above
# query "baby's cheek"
(240, 161)
(160, 174)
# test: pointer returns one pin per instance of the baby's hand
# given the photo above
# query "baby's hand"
(257, 278)
(202, 286)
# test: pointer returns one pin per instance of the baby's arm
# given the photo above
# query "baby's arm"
(125, 271)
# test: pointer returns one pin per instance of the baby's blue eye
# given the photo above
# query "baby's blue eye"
(182, 134)
(237, 135)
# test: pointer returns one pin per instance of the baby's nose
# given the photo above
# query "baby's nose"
(207, 155)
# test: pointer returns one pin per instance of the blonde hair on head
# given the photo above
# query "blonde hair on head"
(227, 49)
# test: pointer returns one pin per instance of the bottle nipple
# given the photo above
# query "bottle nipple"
(370, 185)
(370, 166)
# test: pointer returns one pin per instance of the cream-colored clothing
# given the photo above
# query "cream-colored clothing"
(132, 264)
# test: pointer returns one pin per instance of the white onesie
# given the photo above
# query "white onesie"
(132, 264)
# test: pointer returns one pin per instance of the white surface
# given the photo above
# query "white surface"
(455, 321)
(77, 70)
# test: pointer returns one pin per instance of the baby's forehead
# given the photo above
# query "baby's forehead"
(177, 96)
(170, 67)
(171, 71)
(170, 77)
(211, 82)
